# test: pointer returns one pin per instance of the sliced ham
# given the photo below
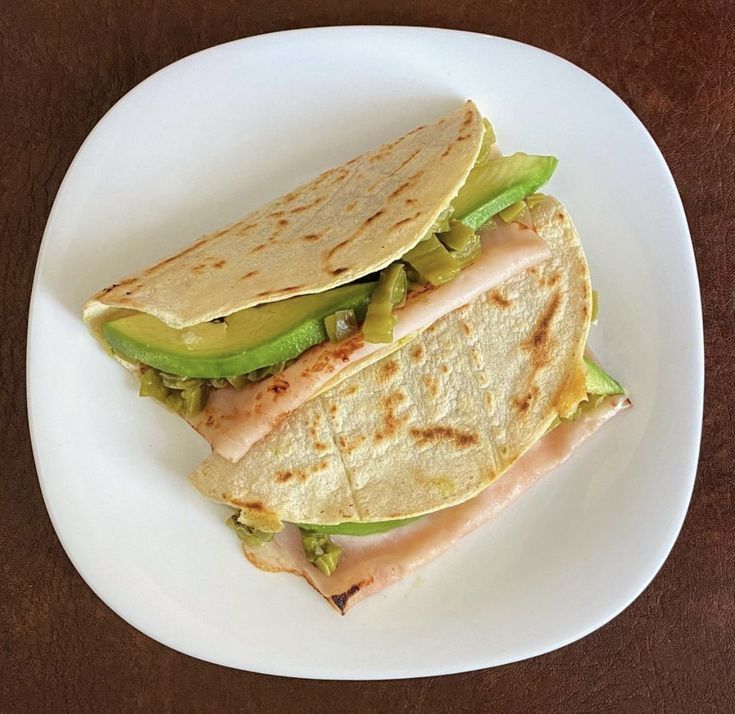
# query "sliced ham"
(233, 421)
(370, 563)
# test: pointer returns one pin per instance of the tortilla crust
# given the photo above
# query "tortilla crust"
(349, 221)
(437, 421)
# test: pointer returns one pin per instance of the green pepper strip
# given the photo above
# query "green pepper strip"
(247, 534)
(320, 551)
(340, 325)
(390, 292)
(432, 261)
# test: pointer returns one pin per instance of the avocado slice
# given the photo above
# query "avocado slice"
(358, 529)
(499, 183)
(241, 342)
(600, 382)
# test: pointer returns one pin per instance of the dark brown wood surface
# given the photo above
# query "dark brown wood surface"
(63, 63)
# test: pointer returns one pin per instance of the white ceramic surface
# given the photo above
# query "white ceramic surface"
(210, 137)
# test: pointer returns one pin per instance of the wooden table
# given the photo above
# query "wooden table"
(65, 62)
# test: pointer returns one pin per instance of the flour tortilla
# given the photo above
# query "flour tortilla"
(436, 422)
(350, 221)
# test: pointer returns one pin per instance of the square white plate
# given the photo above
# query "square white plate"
(212, 136)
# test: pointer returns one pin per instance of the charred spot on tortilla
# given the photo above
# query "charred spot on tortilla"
(391, 423)
(403, 221)
(497, 298)
(417, 351)
(523, 403)
(219, 264)
(310, 237)
(432, 386)
(249, 274)
(387, 369)
(539, 342)
(246, 505)
(439, 434)
(258, 248)
(305, 206)
(375, 215)
(284, 476)
(339, 271)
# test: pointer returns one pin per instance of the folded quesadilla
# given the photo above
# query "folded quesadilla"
(388, 468)
(253, 320)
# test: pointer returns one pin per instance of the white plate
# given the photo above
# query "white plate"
(216, 134)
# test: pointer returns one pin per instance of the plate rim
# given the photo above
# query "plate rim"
(697, 382)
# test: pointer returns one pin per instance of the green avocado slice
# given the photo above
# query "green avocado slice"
(358, 529)
(599, 382)
(499, 183)
(241, 342)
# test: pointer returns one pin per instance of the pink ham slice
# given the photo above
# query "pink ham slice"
(233, 421)
(370, 563)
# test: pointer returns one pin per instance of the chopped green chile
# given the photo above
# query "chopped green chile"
(193, 400)
(512, 212)
(432, 261)
(390, 292)
(469, 254)
(458, 236)
(320, 550)
(151, 385)
(173, 381)
(247, 534)
(183, 395)
(239, 381)
(534, 199)
(341, 325)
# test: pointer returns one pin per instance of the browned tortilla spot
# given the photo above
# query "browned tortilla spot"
(249, 275)
(311, 237)
(219, 264)
(388, 369)
(375, 215)
(539, 342)
(499, 299)
(440, 434)
(339, 271)
(417, 352)
(391, 422)
(432, 387)
(523, 403)
(245, 505)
